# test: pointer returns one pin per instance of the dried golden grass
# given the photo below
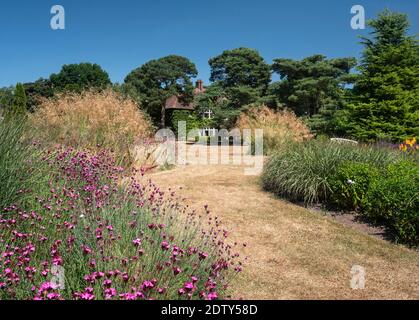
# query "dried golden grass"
(92, 120)
(293, 253)
(279, 127)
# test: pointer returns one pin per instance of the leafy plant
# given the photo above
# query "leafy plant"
(394, 199)
(351, 183)
(21, 168)
(304, 171)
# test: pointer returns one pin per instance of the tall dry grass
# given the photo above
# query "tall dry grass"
(92, 120)
(279, 127)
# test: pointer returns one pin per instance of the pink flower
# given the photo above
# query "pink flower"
(137, 242)
(86, 250)
(176, 270)
(212, 296)
(147, 285)
(203, 255)
(110, 293)
(87, 296)
(189, 286)
(107, 283)
(165, 245)
(53, 296)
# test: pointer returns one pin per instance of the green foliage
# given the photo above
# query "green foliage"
(313, 85)
(240, 67)
(189, 117)
(80, 77)
(224, 113)
(19, 104)
(386, 94)
(20, 165)
(305, 171)
(394, 199)
(156, 80)
(6, 100)
(351, 183)
(37, 90)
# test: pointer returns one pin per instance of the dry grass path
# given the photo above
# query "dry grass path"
(293, 253)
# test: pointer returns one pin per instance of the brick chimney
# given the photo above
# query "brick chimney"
(200, 85)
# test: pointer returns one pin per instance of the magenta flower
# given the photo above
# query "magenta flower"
(110, 293)
(165, 245)
(189, 286)
(212, 296)
(107, 283)
(137, 242)
(147, 285)
(203, 255)
(176, 270)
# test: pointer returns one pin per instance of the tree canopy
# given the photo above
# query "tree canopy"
(240, 67)
(386, 94)
(157, 80)
(79, 77)
(18, 106)
(312, 84)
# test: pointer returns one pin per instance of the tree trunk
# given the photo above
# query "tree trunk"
(163, 116)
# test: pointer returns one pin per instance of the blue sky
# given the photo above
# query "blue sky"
(121, 35)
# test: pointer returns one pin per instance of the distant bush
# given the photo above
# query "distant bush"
(92, 120)
(305, 171)
(279, 128)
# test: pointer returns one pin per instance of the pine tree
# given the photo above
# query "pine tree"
(19, 105)
(386, 95)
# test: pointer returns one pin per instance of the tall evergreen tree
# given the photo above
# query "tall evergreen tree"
(19, 105)
(386, 94)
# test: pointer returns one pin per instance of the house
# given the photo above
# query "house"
(175, 103)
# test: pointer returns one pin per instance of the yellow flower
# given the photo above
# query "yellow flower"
(411, 142)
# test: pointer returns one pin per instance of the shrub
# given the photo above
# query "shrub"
(350, 184)
(92, 120)
(184, 115)
(304, 171)
(279, 128)
(113, 239)
(394, 199)
(20, 167)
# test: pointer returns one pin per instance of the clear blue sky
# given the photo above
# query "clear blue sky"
(121, 35)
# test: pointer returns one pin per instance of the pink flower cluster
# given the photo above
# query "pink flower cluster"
(115, 238)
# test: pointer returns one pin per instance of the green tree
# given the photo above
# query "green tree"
(243, 73)
(6, 99)
(156, 80)
(79, 77)
(41, 88)
(223, 112)
(19, 104)
(313, 86)
(386, 94)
